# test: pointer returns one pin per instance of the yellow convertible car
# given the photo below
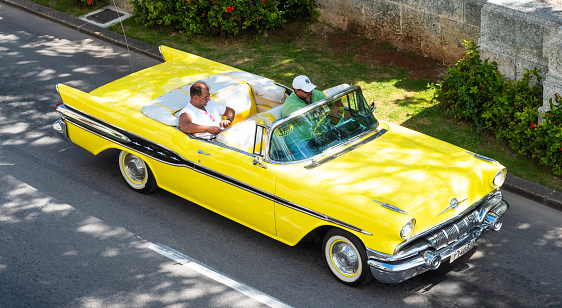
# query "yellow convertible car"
(385, 201)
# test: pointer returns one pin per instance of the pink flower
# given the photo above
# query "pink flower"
(533, 125)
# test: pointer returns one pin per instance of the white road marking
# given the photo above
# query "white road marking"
(213, 274)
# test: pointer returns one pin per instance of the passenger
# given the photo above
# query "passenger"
(202, 114)
(304, 94)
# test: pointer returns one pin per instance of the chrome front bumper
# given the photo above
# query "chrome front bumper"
(428, 253)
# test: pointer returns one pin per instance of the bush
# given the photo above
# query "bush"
(475, 90)
(220, 17)
(469, 86)
(548, 137)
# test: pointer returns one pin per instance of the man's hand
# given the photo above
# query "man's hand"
(225, 123)
(214, 130)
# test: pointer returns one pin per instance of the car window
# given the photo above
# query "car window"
(327, 125)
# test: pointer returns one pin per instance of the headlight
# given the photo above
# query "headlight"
(408, 229)
(499, 178)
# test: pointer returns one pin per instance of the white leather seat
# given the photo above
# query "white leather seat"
(241, 135)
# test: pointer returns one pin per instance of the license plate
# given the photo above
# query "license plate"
(461, 251)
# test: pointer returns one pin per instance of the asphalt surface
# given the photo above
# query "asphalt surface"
(74, 235)
(513, 183)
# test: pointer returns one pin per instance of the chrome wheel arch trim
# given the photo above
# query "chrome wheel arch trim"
(68, 113)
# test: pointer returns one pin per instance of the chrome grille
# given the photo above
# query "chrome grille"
(452, 232)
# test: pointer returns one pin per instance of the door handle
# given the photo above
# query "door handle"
(201, 152)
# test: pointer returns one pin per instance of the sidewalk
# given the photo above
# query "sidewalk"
(513, 183)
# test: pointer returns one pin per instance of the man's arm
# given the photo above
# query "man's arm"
(229, 115)
(187, 126)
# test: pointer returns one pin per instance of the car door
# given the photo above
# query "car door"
(231, 185)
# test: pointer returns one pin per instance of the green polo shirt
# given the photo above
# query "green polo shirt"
(294, 103)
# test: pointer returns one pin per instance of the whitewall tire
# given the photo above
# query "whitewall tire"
(346, 257)
(136, 172)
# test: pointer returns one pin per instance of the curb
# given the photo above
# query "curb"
(533, 191)
(514, 184)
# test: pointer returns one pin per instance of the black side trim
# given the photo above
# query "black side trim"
(162, 154)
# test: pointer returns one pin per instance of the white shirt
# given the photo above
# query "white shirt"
(210, 117)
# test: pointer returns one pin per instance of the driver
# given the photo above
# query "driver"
(304, 94)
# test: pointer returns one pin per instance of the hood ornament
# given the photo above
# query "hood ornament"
(453, 205)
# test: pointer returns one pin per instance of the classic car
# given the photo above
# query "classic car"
(385, 201)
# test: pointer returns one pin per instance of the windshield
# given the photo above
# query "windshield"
(327, 125)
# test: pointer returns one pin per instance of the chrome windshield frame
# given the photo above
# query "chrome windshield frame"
(281, 121)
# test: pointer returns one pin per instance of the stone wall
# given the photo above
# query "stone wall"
(517, 34)
(522, 35)
(433, 28)
(124, 4)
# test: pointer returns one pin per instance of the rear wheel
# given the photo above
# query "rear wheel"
(346, 257)
(136, 173)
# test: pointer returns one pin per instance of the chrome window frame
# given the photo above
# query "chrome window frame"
(283, 120)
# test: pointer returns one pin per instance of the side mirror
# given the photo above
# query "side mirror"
(258, 160)
(373, 108)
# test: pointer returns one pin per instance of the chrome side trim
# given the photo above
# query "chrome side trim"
(391, 207)
(167, 156)
(83, 120)
(137, 143)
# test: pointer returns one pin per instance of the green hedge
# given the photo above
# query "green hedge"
(221, 17)
(475, 90)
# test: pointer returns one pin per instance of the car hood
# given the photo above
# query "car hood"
(410, 171)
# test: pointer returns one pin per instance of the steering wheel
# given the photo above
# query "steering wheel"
(323, 122)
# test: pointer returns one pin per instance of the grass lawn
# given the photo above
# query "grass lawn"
(395, 80)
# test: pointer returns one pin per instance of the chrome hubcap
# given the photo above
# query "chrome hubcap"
(345, 258)
(134, 166)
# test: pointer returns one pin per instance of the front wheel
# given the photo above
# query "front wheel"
(136, 173)
(346, 257)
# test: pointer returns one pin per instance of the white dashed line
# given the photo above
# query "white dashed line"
(213, 274)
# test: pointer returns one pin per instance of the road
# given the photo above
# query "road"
(72, 234)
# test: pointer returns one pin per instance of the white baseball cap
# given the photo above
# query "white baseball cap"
(303, 83)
